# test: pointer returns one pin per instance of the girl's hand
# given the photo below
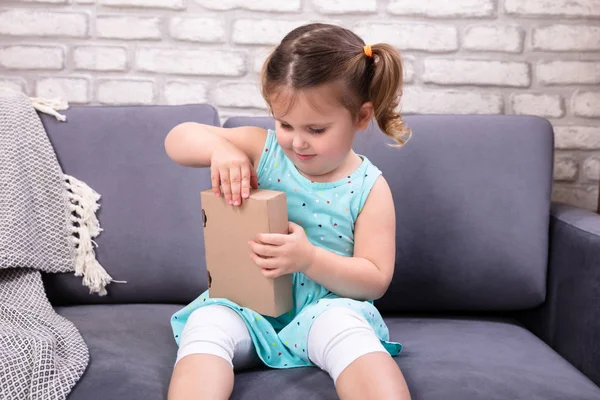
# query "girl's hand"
(279, 254)
(231, 168)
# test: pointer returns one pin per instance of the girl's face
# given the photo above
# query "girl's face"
(316, 132)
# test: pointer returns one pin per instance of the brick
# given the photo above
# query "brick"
(128, 28)
(191, 62)
(46, 1)
(443, 8)
(572, 38)
(15, 84)
(32, 57)
(429, 101)
(562, 8)
(345, 6)
(577, 137)
(29, 22)
(568, 72)
(207, 30)
(185, 92)
(543, 105)
(591, 169)
(259, 56)
(73, 90)
(501, 38)
(410, 36)
(476, 72)
(125, 91)
(565, 169)
(100, 58)
(256, 5)
(408, 65)
(238, 95)
(254, 31)
(168, 4)
(587, 104)
(579, 196)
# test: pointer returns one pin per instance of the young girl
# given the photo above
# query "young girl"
(322, 85)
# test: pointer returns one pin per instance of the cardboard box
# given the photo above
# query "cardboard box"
(231, 272)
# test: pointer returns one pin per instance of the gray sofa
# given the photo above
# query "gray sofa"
(496, 293)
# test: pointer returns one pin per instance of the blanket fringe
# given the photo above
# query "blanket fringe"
(83, 203)
(50, 106)
(47, 106)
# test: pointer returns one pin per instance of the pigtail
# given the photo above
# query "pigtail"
(385, 91)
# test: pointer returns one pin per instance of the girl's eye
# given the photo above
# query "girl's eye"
(317, 131)
(286, 127)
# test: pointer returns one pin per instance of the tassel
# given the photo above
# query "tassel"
(47, 106)
(83, 201)
(50, 106)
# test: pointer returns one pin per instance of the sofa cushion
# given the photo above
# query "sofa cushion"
(132, 354)
(150, 206)
(472, 195)
(132, 350)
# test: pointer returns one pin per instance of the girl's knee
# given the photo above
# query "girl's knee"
(338, 337)
(215, 330)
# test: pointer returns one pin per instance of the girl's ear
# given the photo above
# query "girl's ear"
(365, 114)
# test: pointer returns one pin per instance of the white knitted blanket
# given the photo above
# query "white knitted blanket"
(47, 223)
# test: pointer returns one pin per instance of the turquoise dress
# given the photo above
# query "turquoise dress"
(327, 211)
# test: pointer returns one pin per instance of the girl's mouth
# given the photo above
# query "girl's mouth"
(304, 157)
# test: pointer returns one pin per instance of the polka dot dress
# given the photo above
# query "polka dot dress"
(327, 211)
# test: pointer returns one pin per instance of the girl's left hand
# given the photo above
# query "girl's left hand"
(279, 254)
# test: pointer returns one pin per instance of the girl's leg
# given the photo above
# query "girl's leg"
(214, 342)
(372, 376)
(342, 343)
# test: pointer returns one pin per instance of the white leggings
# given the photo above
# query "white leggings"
(338, 337)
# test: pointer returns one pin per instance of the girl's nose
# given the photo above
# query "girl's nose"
(299, 143)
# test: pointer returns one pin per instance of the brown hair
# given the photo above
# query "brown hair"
(316, 54)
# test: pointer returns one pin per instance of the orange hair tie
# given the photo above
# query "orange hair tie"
(368, 51)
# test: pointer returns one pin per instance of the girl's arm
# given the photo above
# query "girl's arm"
(368, 274)
(192, 144)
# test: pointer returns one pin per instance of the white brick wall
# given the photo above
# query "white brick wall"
(169, 4)
(568, 72)
(538, 57)
(32, 57)
(567, 38)
(502, 38)
(128, 28)
(191, 61)
(345, 6)
(476, 72)
(256, 5)
(100, 58)
(33, 23)
(125, 91)
(410, 36)
(560, 8)
(257, 31)
(443, 8)
(208, 30)
(544, 105)
(74, 90)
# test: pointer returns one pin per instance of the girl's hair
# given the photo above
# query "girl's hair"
(315, 54)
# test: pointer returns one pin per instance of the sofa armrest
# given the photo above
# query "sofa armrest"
(569, 320)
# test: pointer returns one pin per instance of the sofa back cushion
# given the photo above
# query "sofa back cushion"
(150, 207)
(472, 197)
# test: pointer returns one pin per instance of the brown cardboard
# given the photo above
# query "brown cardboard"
(231, 272)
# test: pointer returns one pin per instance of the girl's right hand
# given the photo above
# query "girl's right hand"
(232, 173)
